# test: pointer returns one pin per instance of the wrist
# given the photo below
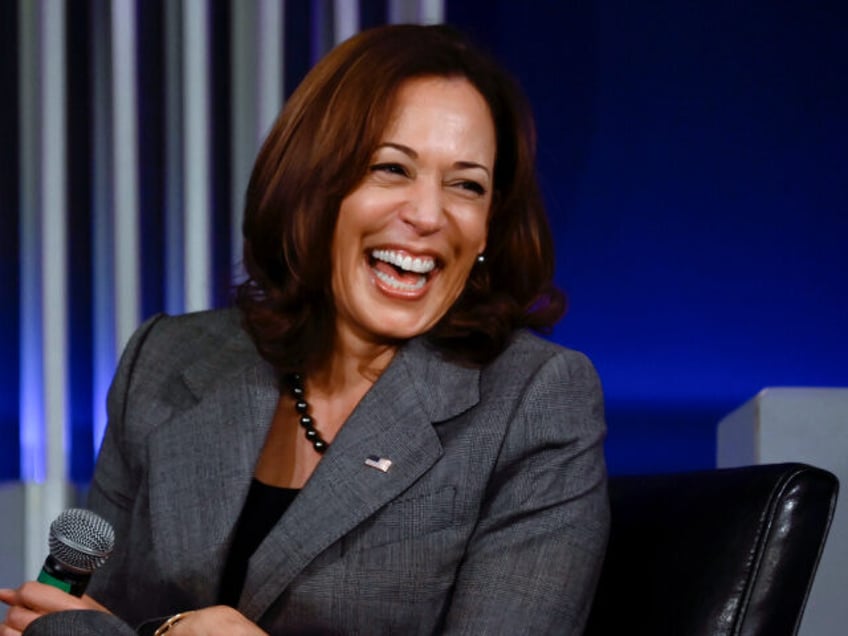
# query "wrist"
(165, 627)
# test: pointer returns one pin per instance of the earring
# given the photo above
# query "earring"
(481, 259)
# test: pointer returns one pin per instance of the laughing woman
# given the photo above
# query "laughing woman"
(373, 441)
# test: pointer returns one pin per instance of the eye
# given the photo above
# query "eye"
(390, 168)
(472, 186)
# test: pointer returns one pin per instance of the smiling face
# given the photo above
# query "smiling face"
(408, 235)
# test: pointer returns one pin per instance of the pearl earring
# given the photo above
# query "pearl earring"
(481, 259)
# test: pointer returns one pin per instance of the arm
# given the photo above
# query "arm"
(116, 480)
(79, 623)
(533, 561)
(114, 492)
(33, 600)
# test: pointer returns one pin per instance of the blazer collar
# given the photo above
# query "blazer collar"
(394, 421)
(213, 447)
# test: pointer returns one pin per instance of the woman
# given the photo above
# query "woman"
(373, 442)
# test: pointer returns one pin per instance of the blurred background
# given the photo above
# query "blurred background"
(692, 155)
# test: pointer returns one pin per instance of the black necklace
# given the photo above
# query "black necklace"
(295, 382)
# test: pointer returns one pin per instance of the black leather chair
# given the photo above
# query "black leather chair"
(710, 553)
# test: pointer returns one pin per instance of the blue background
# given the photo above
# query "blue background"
(694, 157)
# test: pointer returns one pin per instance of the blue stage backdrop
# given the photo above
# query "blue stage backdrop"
(693, 158)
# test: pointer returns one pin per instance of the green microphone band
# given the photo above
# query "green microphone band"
(45, 577)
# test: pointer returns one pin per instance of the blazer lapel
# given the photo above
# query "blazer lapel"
(202, 461)
(393, 421)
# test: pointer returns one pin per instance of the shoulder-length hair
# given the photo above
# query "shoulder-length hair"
(318, 151)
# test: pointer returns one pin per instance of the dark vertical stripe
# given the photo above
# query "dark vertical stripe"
(79, 236)
(9, 250)
(372, 13)
(151, 153)
(323, 36)
(221, 148)
(296, 55)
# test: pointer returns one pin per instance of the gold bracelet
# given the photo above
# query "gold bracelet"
(165, 627)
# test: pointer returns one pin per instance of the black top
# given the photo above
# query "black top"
(264, 506)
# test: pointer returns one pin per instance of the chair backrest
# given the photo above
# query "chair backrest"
(710, 553)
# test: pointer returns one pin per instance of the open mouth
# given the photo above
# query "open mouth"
(401, 272)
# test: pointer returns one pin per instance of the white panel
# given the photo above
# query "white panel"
(31, 388)
(416, 11)
(257, 95)
(104, 341)
(243, 80)
(174, 227)
(125, 171)
(345, 19)
(807, 425)
(43, 214)
(431, 12)
(403, 11)
(196, 155)
(32, 425)
(271, 62)
(54, 254)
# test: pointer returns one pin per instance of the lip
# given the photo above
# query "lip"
(394, 292)
(408, 251)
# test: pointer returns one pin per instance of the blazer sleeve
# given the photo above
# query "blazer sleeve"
(533, 561)
(79, 623)
(117, 476)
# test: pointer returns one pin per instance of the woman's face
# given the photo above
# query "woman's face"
(408, 235)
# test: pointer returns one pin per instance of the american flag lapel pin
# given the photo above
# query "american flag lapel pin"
(380, 463)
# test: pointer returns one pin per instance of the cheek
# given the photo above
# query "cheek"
(480, 232)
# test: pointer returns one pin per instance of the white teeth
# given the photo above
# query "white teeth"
(406, 263)
(393, 282)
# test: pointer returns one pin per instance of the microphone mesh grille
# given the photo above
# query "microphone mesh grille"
(81, 540)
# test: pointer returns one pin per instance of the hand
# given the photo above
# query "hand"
(219, 619)
(32, 600)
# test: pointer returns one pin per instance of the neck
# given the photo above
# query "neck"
(354, 363)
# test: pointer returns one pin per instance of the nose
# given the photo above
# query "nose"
(424, 209)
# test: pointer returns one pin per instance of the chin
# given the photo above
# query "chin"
(403, 330)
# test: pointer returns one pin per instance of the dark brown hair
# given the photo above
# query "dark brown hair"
(318, 151)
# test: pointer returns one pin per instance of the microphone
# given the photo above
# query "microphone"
(80, 542)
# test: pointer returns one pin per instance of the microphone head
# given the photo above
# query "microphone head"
(81, 540)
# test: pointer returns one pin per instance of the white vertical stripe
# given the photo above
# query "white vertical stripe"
(44, 309)
(345, 19)
(403, 11)
(257, 94)
(31, 387)
(196, 154)
(104, 341)
(174, 257)
(271, 66)
(416, 11)
(54, 252)
(431, 11)
(125, 166)
(243, 82)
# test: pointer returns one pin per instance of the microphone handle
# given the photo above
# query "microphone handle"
(52, 573)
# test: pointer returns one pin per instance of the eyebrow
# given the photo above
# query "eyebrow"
(414, 155)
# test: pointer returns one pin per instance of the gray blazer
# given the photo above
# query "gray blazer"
(492, 517)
